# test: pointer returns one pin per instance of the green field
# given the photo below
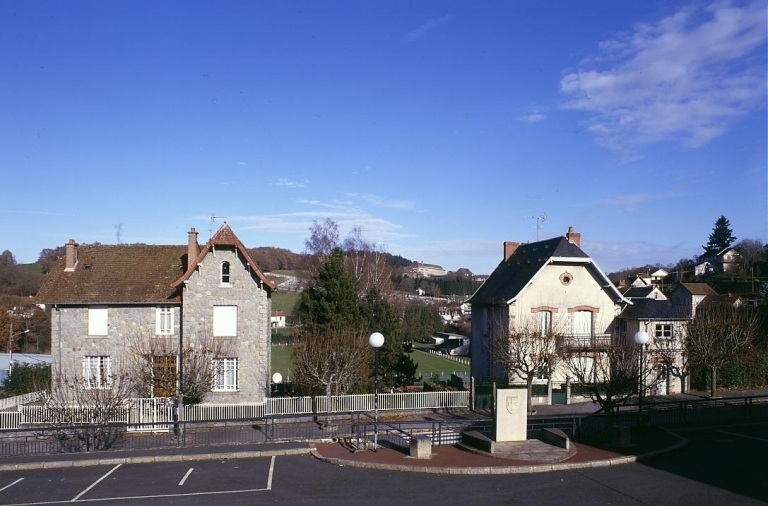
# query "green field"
(428, 364)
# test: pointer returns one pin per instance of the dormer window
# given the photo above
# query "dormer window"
(225, 273)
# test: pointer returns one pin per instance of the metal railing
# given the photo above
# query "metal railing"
(147, 414)
(584, 341)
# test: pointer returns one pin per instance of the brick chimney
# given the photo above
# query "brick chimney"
(573, 237)
(509, 248)
(192, 248)
(70, 258)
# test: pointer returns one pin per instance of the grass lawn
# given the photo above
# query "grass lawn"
(428, 363)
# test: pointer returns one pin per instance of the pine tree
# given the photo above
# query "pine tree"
(721, 236)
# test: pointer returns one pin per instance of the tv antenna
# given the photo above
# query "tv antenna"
(214, 218)
(539, 220)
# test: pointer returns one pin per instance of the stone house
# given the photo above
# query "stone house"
(108, 301)
(550, 286)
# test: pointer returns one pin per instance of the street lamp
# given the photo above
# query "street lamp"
(641, 338)
(11, 335)
(377, 341)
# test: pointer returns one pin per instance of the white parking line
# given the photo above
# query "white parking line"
(10, 485)
(186, 476)
(81, 494)
(271, 470)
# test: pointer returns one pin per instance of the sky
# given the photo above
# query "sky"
(440, 128)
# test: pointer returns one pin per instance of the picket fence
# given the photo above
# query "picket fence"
(156, 413)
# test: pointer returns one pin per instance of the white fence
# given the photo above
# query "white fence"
(151, 414)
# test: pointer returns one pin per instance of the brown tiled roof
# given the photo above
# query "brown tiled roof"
(224, 237)
(132, 273)
(699, 288)
(122, 273)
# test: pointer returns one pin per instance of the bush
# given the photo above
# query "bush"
(26, 378)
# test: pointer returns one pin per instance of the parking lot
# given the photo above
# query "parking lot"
(162, 483)
(723, 465)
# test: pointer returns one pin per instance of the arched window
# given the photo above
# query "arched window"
(225, 273)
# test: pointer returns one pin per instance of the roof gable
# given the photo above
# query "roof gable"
(512, 275)
(224, 237)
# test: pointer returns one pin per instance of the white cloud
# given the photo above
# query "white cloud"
(379, 201)
(533, 117)
(429, 26)
(288, 183)
(686, 77)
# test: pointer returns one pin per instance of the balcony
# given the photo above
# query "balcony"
(584, 341)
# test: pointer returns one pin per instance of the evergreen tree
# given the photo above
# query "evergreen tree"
(331, 300)
(721, 236)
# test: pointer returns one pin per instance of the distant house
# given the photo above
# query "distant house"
(665, 325)
(688, 296)
(718, 260)
(427, 270)
(107, 301)
(277, 320)
(549, 285)
(645, 292)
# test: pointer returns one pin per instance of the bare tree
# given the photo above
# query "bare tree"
(525, 353)
(672, 355)
(718, 333)
(86, 416)
(367, 262)
(609, 376)
(152, 365)
(334, 361)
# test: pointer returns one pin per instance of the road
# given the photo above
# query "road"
(723, 466)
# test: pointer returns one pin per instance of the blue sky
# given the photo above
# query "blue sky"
(440, 128)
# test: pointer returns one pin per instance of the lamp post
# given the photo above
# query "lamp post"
(376, 340)
(11, 335)
(641, 338)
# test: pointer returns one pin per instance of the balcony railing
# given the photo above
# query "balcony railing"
(584, 341)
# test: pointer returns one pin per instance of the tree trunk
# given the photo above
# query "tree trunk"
(529, 387)
(713, 381)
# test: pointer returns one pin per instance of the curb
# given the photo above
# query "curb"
(151, 459)
(519, 469)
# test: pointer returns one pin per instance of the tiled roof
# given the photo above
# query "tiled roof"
(652, 309)
(512, 275)
(638, 291)
(132, 273)
(122, 273)
(699, 288)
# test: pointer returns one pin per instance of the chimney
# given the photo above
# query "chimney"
(192, 248)
(573, 237)
(509, 248)
(71, 256)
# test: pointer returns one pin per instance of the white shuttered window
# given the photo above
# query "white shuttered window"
(225, 321)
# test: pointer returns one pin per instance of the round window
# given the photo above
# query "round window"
(566, 278)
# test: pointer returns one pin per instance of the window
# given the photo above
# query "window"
(225, 273)
(663, 330)
(545, 322)
(225, 374)
(224, 321)
(98, 323)
(582, 323)
(164, 321)
(97, 371)
(163, 375)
